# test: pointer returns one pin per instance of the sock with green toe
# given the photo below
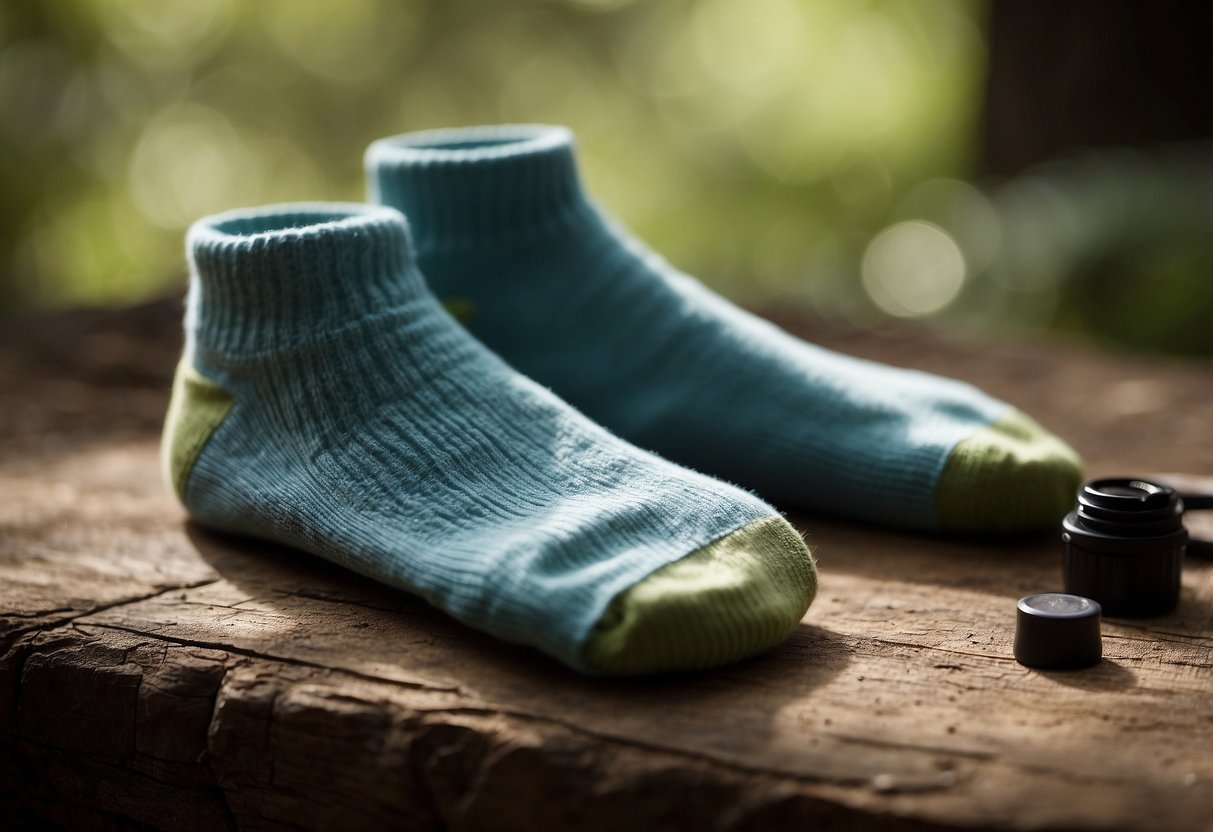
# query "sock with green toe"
(506, 235)
(327, 401)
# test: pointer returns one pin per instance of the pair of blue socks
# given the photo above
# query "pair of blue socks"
(504, 466)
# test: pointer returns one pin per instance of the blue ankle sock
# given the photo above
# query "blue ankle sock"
(507, 237)
(327, 401)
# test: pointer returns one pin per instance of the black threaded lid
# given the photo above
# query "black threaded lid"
(1124, 546)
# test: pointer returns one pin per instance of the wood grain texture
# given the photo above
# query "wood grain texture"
(155, 674)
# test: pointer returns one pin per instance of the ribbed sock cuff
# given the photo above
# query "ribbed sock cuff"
(268, 279)
(479, 183)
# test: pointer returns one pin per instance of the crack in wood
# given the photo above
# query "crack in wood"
(11, 636)
(938, 649)
(288, 660)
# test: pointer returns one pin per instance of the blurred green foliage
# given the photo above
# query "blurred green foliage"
(785, 151)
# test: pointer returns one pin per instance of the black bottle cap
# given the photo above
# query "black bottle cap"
(1124, 546)
(1056, 631)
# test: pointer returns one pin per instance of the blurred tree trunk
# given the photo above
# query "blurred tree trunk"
(1069, 74)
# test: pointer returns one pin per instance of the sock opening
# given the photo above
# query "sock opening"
(503, 183)
(293, 219)
(465, 143)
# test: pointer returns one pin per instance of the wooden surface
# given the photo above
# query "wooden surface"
(156, 674)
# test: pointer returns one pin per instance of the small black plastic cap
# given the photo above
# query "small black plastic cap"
(1124, 546)
(1056, 631)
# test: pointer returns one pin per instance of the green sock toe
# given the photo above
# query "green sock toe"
(1012, 475)
(736, 597)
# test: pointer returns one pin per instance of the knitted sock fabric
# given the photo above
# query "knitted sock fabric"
(507, 236)
(327, 401)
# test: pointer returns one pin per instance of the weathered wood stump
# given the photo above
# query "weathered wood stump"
(156, 674)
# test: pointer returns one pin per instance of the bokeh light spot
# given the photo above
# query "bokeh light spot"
(351, 47)
(749, 48)
(165, 35)
(912, 269)
(189, 162)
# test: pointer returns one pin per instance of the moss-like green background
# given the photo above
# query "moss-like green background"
(814, 153)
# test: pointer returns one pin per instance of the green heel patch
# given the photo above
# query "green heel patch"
(197, 407)
(462, 309)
